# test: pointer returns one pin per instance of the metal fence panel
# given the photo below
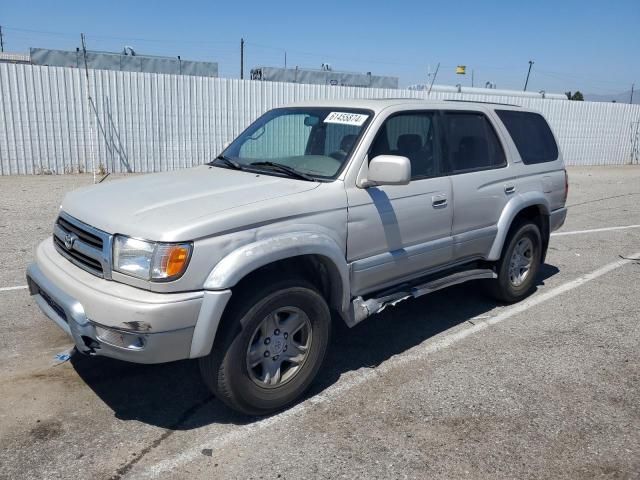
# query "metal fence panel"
(146, 122)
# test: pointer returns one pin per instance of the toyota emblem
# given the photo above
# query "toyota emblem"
(69, 240)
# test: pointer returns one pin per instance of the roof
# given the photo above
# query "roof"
(380, 104)
(375, 104)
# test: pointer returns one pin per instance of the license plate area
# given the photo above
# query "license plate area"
(54, 306)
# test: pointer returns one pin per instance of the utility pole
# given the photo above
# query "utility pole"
(526, 82)
(92, 108)
(632, 87)
(1, 40)
(433, 79)
(285, 59)
(241, 58)
(472, 77)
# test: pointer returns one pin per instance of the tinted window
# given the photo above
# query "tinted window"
(472, 143)
(409, 135)
(531, 134)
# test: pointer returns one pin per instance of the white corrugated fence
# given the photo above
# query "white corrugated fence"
(143, 122)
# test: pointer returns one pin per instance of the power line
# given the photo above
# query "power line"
(567, 77)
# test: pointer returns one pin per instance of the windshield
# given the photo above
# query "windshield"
(312, 141)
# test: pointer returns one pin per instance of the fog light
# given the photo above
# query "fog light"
(118, 338)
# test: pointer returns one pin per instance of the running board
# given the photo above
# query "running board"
(365, 308)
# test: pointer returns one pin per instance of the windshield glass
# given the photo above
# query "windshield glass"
(312, 141)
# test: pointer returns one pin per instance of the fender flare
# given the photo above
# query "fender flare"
(510, 211)
(246, 259)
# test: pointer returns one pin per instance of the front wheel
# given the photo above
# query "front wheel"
(272, 345)
(519, 265)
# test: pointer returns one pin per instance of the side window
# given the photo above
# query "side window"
(531, 134)
(409, 135)
(472, 143)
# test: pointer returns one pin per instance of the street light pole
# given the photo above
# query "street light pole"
(526, 82)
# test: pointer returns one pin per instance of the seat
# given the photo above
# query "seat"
(409, 144)
(347, 142)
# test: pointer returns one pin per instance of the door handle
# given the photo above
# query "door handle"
(439, 202)
(509, 189)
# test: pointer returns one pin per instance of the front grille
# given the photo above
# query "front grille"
(79, 257)
(83, 245)
(85, 236)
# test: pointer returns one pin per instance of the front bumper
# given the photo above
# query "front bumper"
(106, 318)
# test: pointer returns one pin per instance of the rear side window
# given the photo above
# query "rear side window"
(531, 134)
(472, 143)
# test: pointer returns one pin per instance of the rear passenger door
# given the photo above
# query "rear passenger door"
(396, 232)
(476, 161)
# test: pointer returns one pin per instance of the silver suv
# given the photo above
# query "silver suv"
(317, 210)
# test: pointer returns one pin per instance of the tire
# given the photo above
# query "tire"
(250, 332)
(514, 284)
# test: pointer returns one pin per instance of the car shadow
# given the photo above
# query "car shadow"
(172, 395)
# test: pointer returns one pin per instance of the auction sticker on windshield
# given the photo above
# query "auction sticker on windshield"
(346, 118)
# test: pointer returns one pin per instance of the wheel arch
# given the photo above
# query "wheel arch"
(531, 206)
(315, 255)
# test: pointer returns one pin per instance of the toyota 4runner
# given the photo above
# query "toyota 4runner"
(320, 209)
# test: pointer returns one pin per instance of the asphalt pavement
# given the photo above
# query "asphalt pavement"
(451, 385)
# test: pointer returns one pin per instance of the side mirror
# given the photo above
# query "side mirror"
(388, 170)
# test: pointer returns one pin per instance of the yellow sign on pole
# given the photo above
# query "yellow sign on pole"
(461, 69)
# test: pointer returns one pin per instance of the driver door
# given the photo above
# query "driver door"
(399, 232)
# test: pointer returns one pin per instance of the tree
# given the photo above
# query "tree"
(576, 96)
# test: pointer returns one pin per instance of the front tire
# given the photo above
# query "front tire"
(271, 346)
(518, 267)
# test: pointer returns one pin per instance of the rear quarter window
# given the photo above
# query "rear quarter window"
(532, 136)
(472, 143)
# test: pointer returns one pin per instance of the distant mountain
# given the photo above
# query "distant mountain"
(618, 97)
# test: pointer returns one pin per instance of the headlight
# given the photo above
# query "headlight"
(150, 260)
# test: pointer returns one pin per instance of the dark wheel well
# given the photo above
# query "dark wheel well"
(316, 269)
(537, 215)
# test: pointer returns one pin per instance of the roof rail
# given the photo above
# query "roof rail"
(478, 101)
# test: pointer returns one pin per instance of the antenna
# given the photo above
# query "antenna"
(91, 107)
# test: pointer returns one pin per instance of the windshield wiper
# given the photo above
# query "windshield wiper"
(228, 162)
(292, 172)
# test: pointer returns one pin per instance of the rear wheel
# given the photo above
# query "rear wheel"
(519, 265)
(271, 346)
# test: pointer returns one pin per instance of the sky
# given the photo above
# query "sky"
(583, 45)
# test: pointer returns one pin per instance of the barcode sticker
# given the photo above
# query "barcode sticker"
(346, 118)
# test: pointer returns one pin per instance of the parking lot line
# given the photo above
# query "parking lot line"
(594, 230)
(8, 289)
(420, 352)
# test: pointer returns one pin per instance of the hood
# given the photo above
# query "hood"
(163, 206)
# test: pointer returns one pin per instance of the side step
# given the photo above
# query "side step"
(365, 308)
